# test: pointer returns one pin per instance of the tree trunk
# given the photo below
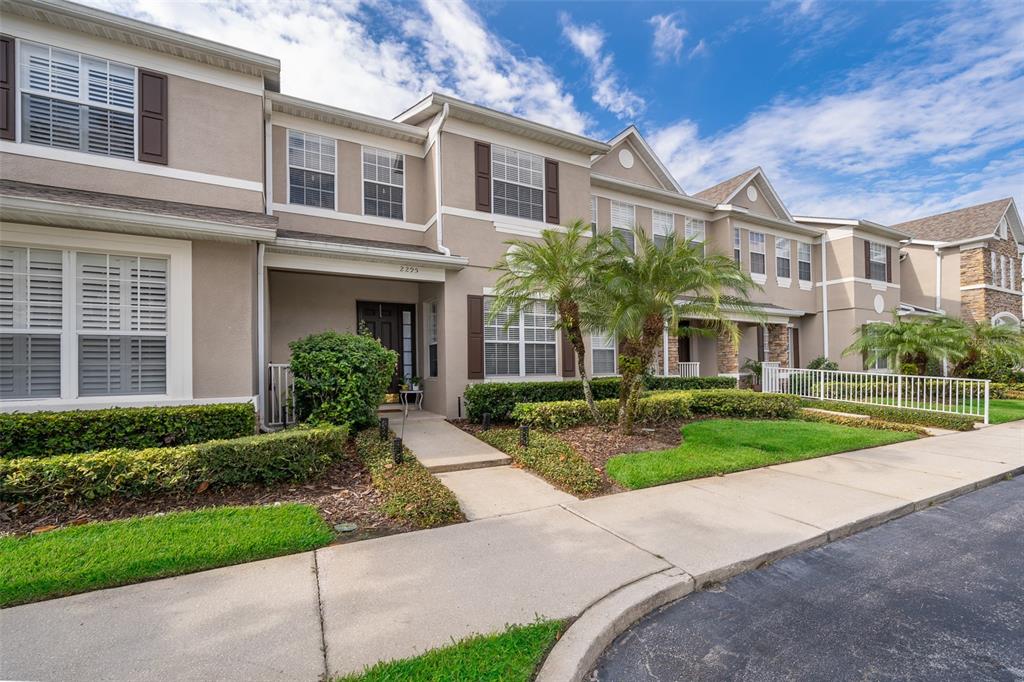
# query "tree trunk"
(569, 312)
(639, 356)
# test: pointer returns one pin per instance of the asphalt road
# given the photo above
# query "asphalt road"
(936, 595)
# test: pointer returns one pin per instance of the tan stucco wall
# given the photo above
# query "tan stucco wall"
(640, 174)
(223, 319)
(760, 206)
(917, 270)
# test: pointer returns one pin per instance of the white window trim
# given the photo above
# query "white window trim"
(543, 191)
(615, 358)
(784, 282)
(737, 246)
(433, 310)
(759, 277)
(884, 262)
(362, 173)
(632, 221)
(521, 342)
(179, 310)
(805, 284)
(594, 227)
(671, 222)
(288, 168)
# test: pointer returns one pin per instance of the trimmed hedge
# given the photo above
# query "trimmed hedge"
(292, 455)
(744, 404)
(941, 420)
(45, 434)
(1011, 391)
(550, 458)
(809, 415)
(410, 492)
(652, 408)
(500, 398)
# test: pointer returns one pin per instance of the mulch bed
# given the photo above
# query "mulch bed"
(343, 494)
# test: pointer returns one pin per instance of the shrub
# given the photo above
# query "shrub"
(340, 378)
(821, 362)
(942, 420)
(745, 404)
(499, 399)
(292, 455)
(652, 408)
(410, 492)
(552, 459)
(44, 434)
(809, 415)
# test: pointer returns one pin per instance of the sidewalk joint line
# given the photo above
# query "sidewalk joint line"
(626, 540)
(320, 614)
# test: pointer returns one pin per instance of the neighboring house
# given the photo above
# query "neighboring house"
(171, 222)
(966, 263)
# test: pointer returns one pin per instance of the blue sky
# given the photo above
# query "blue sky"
(885, 111)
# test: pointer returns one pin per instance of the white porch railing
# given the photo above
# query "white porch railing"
(280, 396)
(689, 369)
(934, 394)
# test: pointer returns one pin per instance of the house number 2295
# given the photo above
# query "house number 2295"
(408, 268)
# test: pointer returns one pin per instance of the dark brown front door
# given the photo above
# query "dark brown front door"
(392, 325)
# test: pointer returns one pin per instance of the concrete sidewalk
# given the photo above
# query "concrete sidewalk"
(397, 596)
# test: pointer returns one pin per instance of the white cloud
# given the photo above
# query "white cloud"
(608, 93)
(669, 37)
(375, 57)
(895, 140)
(701, 48)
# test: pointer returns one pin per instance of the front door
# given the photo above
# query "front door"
(392, 324)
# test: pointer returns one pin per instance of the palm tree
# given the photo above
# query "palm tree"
(560, 267)
(638, 291)
(911, 341)
(1000, 344)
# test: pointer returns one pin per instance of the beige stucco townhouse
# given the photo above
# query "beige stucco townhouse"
(171, 221)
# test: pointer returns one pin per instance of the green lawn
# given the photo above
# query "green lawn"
(510, 656)
(719, 446)
(98, 555)
(1004, 410)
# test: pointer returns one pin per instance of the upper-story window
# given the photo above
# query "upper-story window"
(736, 256)
(77, 102)
(803, 260)
(756, 252)
(696, 230)
(383, 183)
(623, 219)
(593, 216)
(662, 226)
(311, 169)
(517, 183)
(519, 345)
(877, 261)
(783, 257)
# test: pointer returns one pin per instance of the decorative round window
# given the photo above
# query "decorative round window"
(752, 193)
(626, 158)
(879, 303)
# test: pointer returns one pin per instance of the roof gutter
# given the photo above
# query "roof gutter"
(311, 247)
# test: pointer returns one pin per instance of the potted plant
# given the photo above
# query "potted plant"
(412, 383)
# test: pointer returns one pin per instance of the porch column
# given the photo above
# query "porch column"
(728, 354)
(778, 344)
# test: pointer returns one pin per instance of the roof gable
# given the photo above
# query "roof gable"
(765, 200)
(979, 221)
(646, 169)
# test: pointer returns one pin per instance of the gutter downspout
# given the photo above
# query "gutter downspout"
(938, 278)
(268, 157)
(437, 181)
(261, 351)
(824, 295)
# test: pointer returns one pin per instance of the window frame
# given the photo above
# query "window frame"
(800, 245)
(737, 247)
(362, 172)
(593, 215)
(23, 89)
(784, 280)
(689, 228)
(178, 348)
(671, 227)
(632, 222)
(289, 166)
(521, 343)
(594, 348)
(751, 251)
(433, 362)
(541, 188)
(872, 261)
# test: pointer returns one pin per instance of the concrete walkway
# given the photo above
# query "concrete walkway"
(343, 607)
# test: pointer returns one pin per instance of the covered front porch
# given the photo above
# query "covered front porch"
(394, 292)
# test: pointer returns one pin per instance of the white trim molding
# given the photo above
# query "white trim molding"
(875, 284)
(991, 287)
(330, 214)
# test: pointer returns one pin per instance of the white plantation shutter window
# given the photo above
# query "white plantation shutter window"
(756, 252)
(501, 344)
(31, 317)
(696, 230)
(662, 226)
(539, 337)
(623, 219)
(593, 215)
(783, 257)
(383, 183)
(517, 183)
(122, 324)
(78, 102)
(311, 169)
(803, 257)
(877, 261)
(736, 256)
(527, 347)
(604, 348)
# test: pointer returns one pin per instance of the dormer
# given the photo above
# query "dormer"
(632, 160)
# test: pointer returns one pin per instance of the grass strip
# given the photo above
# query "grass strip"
(719, 446)
(106, 554)
(548, 457)
(1002, 410)
(509, 656)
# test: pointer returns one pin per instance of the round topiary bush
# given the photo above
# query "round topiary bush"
(340, 378)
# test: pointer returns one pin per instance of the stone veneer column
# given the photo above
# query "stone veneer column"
(728, 354)
(778, 344)
(974, 269)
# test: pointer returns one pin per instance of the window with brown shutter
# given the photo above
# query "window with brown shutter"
(7, 89)
(551, 191)
(867, 259)
(888, 264)
(475, 338)
(482, 155)
(152, 117)
(568, 356)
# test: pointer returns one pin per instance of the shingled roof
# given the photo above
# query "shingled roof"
(723, 190)
(964, 223)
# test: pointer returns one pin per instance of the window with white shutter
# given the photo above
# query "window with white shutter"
(803, 259)
(783, 257)
(517, 183)
(736, 241)
(662, 225)
(603, 348)
(77, 102)
(623, 220)
(383, 183)
(311, 169)
(520, 345)
(696, 231)
(756, 247)
(31, 319)
(539, 338)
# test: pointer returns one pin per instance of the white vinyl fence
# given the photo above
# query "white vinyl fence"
(280, 396)
(935, 394)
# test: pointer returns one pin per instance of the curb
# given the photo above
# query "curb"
(590, 634)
